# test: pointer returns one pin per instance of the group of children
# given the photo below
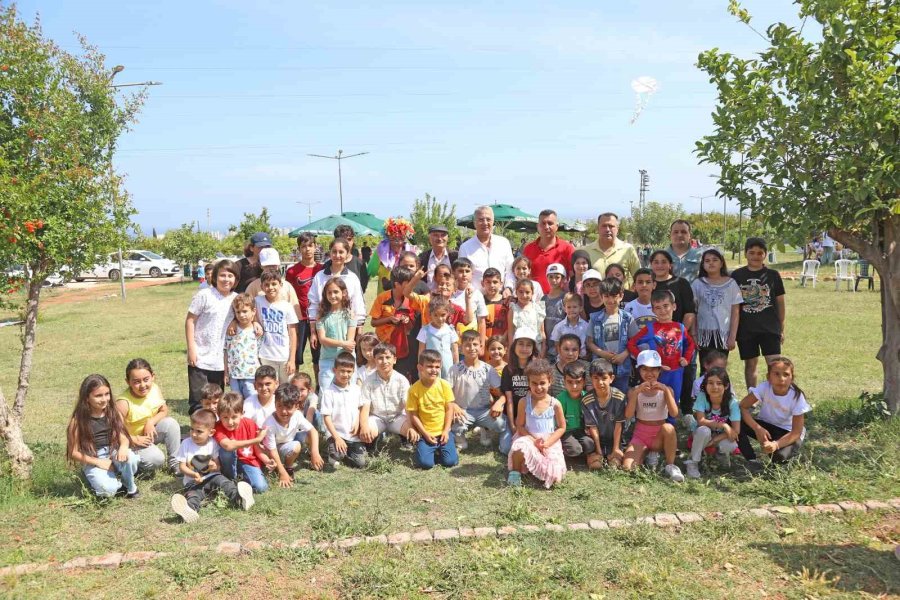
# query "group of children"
(557, 377)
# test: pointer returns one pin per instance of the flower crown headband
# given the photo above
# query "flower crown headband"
(398, 227)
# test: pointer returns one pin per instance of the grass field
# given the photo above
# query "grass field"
(831, 336)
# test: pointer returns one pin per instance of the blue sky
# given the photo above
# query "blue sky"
(519, 102)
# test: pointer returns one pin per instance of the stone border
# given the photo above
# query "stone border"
(114, 560)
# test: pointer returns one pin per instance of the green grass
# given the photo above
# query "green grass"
(832, 337)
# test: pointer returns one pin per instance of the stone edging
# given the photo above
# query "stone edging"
(114, 560)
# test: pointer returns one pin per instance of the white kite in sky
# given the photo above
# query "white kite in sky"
(643, 87)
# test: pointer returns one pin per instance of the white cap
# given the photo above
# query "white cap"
(525, 333)
(649, 358)
(268, 257)
(591, 274)
(556, 269)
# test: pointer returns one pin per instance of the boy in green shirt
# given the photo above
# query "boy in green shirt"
(575, 441)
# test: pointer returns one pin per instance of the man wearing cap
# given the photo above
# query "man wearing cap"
(685, 258)
(547, 249)
(487, 249)
(609, 249)
(249, 265)
(438, 236)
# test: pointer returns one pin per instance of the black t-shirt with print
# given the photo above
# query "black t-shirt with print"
(517, 384)
(759, 313)
(249, 273)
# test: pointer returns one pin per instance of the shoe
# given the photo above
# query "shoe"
(135, 495)
(181, 508)
(246, 494)
(461, 442)
(724, 460)
(693, 472)
(484, 436)
(674, 473)
(652, 460)
(405, 444)
(514, 479)
(331, 465)
(754, 467)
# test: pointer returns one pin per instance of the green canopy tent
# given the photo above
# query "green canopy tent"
(505, 215)
(367, 219)
(326, 225)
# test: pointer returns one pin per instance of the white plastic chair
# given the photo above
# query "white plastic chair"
(843, 271)
(810, 271)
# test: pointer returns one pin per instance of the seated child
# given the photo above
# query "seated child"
(604, 416)
(341, 402)
(210, 394)
(568, 348)
(384, 394)
(286, 429)
(259, 406)
(198, 458)
(430, 409)
(476, 389)
(712, 359)
(575, 442)
(239, 439)
(309, 400)
(718, 416)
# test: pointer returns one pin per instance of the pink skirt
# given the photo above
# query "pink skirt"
(549, 468)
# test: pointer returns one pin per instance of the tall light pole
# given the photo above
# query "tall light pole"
(309, 206)
(701, 199)
(644, 188)
(339, 157)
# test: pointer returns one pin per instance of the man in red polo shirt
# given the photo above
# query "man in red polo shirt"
(548, 249)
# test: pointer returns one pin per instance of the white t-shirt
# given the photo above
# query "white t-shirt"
(510, 282)
(256, 412)
(498, 255)
(362, 373)
(472, 385)
(188, 450)
(342, 405)
(642, 313)
(277, 318)
(386, 399)
(214, 313)
(779, 410)
(280, 434)
(354, 291)
(459, 299)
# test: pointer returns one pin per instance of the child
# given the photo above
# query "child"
(497, 306)
(278, 319)
(590, 288)
(146, 416)
(521, 269)
(309, 401)
(286, 429)
(198, 458)
(611, 329)
(513, 382)
(365, 359)
(713, 359)
(536, 449)
(669, 338)
(476, 388)
(300, 276)
(335, 328)
(581, 264)
(575, 442)
(260, 405)
(573, 323)
(526, 313)
(394, 319)
(604, 416)
(340, 257)
(239, 438)
(496, 351)
(568, 351)
(554, 309)
(439, 336)
(430, 409)
(207, 277)
(779, 426)
(96, 438)
(761, 327)
(242, 348)
(341, 402)
(640, 308)
(652, 403)
(462, 275)
(718, 302)
(209, 400)
(384, 395)
(617, 271)
(718, 418)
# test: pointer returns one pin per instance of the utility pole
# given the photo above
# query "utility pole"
(207, 221)
(339, 157)
(645, 187)
(309, 206)
(701, 199)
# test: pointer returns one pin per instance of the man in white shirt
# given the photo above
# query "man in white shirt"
(486, 249)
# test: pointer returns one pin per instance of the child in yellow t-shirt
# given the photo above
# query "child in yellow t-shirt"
(430, 409)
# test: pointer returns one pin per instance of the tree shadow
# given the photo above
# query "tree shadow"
(494, 476)
(178, 406)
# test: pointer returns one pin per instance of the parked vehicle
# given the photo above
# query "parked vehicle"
(108, 270)
(145, 262)
(52, 280)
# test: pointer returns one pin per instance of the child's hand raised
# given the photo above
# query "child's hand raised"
(683, 361)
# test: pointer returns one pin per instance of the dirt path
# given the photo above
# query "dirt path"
(95, 290)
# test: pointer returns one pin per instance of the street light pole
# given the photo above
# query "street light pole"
(309, 206)
(701, 199)
(339, 157)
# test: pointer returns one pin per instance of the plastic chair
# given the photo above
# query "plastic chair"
(810, 271)
(863, 272)
(843, 271)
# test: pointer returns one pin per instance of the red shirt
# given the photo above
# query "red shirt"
(301, 277)
(246, 430)
(560, 252)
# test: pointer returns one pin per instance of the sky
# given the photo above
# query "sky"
(526, 103)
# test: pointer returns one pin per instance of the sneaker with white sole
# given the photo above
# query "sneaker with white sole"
(652, 460)
(246, 494)
(674, 473)
(514, 479)
(693, 470)
(484, 436)
(181, 508)
(461, 442)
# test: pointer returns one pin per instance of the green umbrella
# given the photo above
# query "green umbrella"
(367, 219)
(505, 214)
(531, 226)
(326, 226)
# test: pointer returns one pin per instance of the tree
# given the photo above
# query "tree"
(60, 203)
(429, 212)
(651, 225)
(285, 245)
(188, 246)
(806, 137)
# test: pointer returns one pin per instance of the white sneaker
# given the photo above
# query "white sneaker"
(246, 494)
(652, 460)
(674, 473)
(181, 508)
(461, 442)
(693, 472)
(484, 437)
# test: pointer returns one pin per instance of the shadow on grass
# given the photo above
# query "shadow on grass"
(494, 475)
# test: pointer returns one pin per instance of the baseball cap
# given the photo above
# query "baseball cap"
(556, 269)
(591, 274)
(438, 229)
(649, 358)
(268, 257)
(525, 333)
(261, 239)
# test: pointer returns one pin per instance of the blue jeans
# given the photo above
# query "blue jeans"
(621, 383)
(244, 386)
(105, 483)
(481, 417)
(326, 373)
(253, 475)
(427, 455)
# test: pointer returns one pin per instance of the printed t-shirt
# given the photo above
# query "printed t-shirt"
(684, 296)
(642, 313)
(301, 277)
(759, 312)
(472, 385)
(732, 410)
(141, 409)
(671, 340)
(276, 318)
(214, 314)
(604, 415)
(496, 322)
(245, 430)
(515, 383)
(430, 404)
(714, 304)
(242, 352)
(189, 449)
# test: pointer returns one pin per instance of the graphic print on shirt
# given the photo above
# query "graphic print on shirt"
(757, 296)
(668, 342)
(714, 295)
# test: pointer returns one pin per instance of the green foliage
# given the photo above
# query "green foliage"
(431, 212)
(285, 245)
(240, 234)
(651, 225)
(187, 246)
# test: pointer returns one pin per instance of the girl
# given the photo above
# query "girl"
(439, 335)
(496, 350)
(340, 255)
(524, 312)
(513, 382)
(205, 328)
(96, 438)
(651, 403)
(591, 298)
(617, 271)
(718, 299)
(365, 359)
(521, 269)
(335, 328)
(718, 418)
(146, 417)
(540, 424)
(581, 262)
(779, 426)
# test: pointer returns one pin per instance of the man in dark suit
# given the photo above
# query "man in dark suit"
(438, 236)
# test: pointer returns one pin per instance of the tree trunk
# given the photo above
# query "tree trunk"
(29, 330)
(20, 456)
(889, 354)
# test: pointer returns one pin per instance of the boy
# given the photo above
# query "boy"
(476, 389)
(242, 348)
(393, 318)
(554, 308)
(575, 441)
(341, 402)
(761, 326)
(430, 409)
(207, 276)
(384, 394)
(573, 323)
(462, 274)
(604, 415)
(278, 319)
(497, 306)
(260, 405)
(610, 332)
(286, 428)
(640, 307)
(300, 276)
(239, 439)
(210, 395)
(590, 288)
(309, 401)
(198, 462)
(669, 338)
(568, 348)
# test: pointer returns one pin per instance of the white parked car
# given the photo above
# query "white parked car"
(108, 270)
(52, 280)
(145, 262)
